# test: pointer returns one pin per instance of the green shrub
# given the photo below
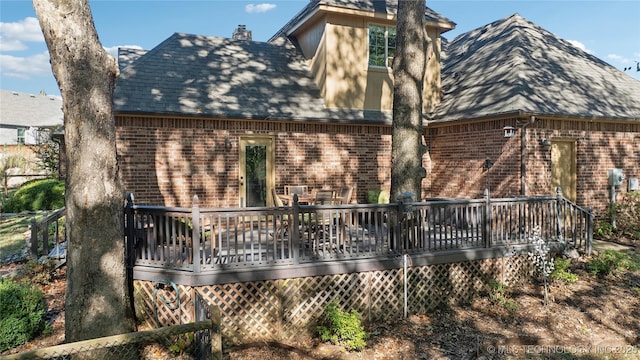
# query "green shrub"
(342, 328)
(47, 194)
(604, 228)
(378, 197)
(21, 313)
(562, 272)
(499, 295)
(612, 262)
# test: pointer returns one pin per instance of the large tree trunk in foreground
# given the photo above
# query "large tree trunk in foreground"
(408, 77)
(97, 299)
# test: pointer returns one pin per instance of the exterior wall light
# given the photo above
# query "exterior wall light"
(509, 131)
(546, 144)
(227, 143)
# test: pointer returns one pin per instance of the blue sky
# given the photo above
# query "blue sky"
(609, 30)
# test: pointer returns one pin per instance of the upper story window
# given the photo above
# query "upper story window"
(21, 139)
(382, 45)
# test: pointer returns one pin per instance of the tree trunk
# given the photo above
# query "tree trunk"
(408, 77)
(97, 299)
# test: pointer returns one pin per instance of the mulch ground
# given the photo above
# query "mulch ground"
(593, 318)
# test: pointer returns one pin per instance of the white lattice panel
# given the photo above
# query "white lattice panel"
(275, 309)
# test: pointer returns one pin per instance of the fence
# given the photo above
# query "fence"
(195, 240)
(41, 231)
(147, 344)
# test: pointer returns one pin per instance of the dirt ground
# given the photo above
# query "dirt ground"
(593, 318)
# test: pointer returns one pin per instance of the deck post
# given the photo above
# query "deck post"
(195, 219)
(34, 238)
(44, 229)
(130, 231)
(559, 214)
(294, 225)
(589, 234)
(486, 231)
(398, 220)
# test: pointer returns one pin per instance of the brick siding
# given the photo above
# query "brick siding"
(165, 161)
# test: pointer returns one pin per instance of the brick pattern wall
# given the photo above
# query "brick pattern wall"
(167, 161)
(458, 153)
(600, 146)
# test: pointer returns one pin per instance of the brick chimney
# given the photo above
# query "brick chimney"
(241, 33)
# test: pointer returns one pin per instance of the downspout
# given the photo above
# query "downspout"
(523, 155)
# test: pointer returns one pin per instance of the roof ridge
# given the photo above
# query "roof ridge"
(390, 7)
(148, 54)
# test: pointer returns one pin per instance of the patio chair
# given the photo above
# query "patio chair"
(296, 189)
(282, 226)
(345, 194)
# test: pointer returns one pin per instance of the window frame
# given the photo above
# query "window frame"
(21, 136)
(386, 28)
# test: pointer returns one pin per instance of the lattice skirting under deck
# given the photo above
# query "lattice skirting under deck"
(277, 309)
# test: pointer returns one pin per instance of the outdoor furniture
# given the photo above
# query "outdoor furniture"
(325, 197)
(282, 226)
(345, 195)
(304, 198)
(296, 189)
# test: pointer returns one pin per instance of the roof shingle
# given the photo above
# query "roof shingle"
(513, 65)
(218, 77)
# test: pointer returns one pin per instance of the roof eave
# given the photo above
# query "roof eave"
(521, 114)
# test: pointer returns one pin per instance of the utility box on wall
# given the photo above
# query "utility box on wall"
(633, 184)
(616, 177)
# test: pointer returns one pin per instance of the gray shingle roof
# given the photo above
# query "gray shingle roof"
(380, 6)
(26, 110)
(513, 65)
(211, 76)
(126, 56)
(201, 75)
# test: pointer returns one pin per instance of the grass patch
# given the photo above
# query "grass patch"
(12, 229)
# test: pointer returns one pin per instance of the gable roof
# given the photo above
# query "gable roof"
(389, 7)
(126, 56)
(201, 75)
(26, 110)
(513, 65)
(219, 77)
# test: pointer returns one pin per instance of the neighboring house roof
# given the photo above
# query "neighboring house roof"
(126, 56)
(379, 6)
(513, 65)
(211, 76)
(26, 110)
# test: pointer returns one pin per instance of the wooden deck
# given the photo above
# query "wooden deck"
(208, 246)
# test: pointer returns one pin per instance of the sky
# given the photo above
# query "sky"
(608, 29)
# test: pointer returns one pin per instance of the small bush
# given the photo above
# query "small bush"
(604, 228)
(562, 272)
(21, 313)
(39, 273)
(47, 194)
(342, 328)
(612, 262)
(499, 295)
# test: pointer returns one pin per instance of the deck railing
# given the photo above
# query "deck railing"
(208, 239)
(49, 233)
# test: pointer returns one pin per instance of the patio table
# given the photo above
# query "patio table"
(306, 198)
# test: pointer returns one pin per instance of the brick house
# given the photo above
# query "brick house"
(229, 119)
